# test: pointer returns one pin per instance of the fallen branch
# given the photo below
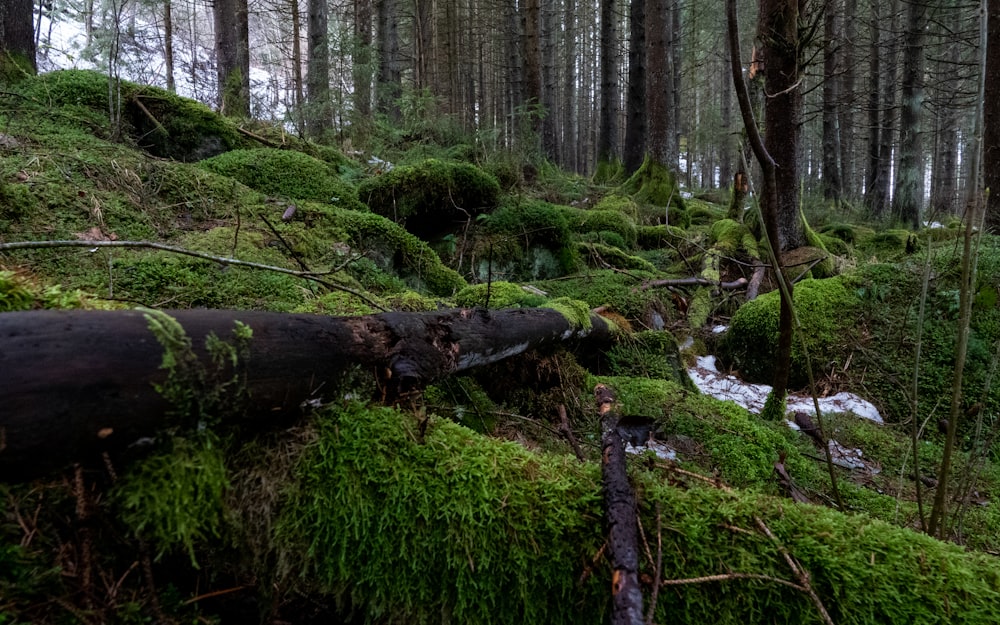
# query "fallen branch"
(739, 283)
(626, 595)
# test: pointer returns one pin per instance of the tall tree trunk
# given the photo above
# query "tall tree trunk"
(908, 196)
(607, 137)
(635, 120)
(168, 44)
(532, 52)
(570, 150)
(726, 145)
(660, 113)
(550, 144)
(361, 68)
(232, 56)
(674, 58)
(298, 114)
(319, 116)
(423, 44)
(778, 28)
(848, 159)
(390, 85)
(881, 173)
(991, 117)
(831, 103)
(17, 39)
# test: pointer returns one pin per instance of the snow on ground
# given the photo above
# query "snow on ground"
(710, 381)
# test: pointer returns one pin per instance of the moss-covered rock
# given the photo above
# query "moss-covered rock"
(159, 122)
(648, 354)
(394, 249)
(601, 256)
(827, 310)
(525, 240)
(285, 173)
(428, 197)
(595, 220)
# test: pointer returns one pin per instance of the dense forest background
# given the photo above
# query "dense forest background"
(889, 87)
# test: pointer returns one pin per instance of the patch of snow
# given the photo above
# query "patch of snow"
(719, 329)
(662, 451)
(710, 381)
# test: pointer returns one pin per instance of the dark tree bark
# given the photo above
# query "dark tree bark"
(77, 383)
(623, 522)
(607, 136)
(661, 116)
(550, 138)
(390, 71)
(778, 30)
(848, 159)
(991, 117)
(879, 204)
(532, 59)
(635, 122)
(874, 197)
(908, 197)
(17, 39)
(361, 68)
(168, 44)
(832, 181)
(570, 150)
(319, 116)
(232, 56)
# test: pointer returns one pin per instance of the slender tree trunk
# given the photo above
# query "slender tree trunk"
(778, 29)
(168, 44)
(570, 150)
(390, 85)
(607, 137)
(831, 104)
(848, 158)
(908, 197)
(297, 80)
(232, 57)
(973, 188)
(674, 58)
(550, 144)
(318, 114)
(726, 147)
(635, 122)
(531, 55)
(991, 117)
(879, 204)
(361, 68)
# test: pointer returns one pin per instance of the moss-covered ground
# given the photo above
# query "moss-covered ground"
(467, 502)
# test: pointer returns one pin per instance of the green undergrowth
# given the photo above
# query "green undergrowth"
(22, 291)
(487, 532)
(617, 291)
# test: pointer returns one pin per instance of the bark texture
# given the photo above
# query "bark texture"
(77, 383)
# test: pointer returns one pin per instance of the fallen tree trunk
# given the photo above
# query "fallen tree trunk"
(76, 383)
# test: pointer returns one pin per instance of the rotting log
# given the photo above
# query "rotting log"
(623, 520)
(76, 383)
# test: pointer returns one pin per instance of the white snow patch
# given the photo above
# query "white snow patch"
(662, 451)
(710, 381)
(719, 329)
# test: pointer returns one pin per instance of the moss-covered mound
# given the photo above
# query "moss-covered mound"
(285, 173)
(408, 527)
(157, 121)
(428, 197)
(525, 240)
(827, 310)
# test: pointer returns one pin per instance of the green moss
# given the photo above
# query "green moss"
(161, 123)
(703, 213)
(652, 237)
(18, 291)
(394, 249)
(728, 235)
(493, 295)
(575, 311)
(526, 240)
(445, 528)
(605, 237)
(435, 190)
(595, 220)
(465, 401)
(824, 268)
(827, 311)
(600, 255)
(653, 183)
(607, 288)
(285, 173)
